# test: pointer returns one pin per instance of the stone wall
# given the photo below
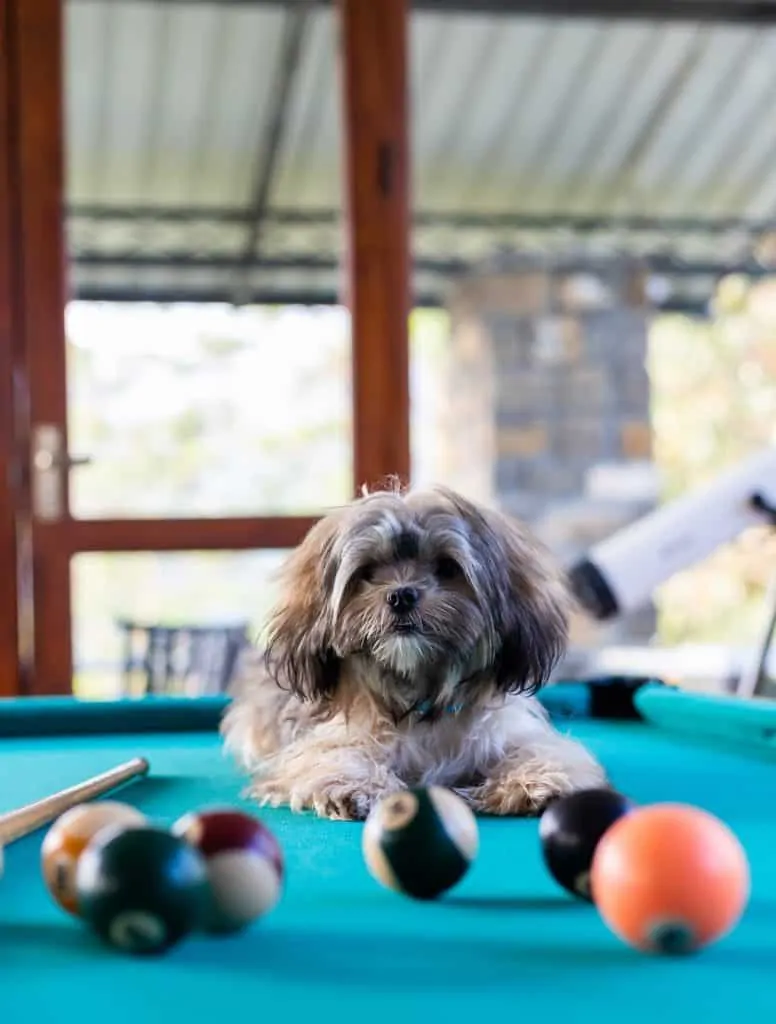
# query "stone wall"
(548, 406)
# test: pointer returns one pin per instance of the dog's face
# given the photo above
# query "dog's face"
(437, 599)
(407, 591)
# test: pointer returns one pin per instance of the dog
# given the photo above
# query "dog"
(412, 633)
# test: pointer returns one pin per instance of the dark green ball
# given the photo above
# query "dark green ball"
(420, 842)
(141, 889)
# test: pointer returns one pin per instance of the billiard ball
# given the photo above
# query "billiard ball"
(420, 842)
(670, 878)
(140, 888)
(69, 836)
(570, 830)
(245, 865)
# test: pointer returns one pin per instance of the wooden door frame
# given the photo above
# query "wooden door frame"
(373, 63)
(10, 678)
(37, 159)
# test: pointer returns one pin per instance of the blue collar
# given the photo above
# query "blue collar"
(451, 709)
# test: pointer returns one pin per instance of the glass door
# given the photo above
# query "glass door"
(169, 452)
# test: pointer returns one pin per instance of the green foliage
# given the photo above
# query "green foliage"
(216, 413)
(714, 403)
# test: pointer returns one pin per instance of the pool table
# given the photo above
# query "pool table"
(505, 945)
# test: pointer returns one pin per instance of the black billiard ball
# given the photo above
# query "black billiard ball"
(570, 830)
(244, 861)
(141, 889)
(420, 842)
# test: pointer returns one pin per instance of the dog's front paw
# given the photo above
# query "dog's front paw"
(269, 793)
(343, 803)
(339, 801)
(526, 789)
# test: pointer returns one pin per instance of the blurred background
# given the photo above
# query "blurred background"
(593, 325)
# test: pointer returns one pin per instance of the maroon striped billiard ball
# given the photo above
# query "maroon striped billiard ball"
(244, 862)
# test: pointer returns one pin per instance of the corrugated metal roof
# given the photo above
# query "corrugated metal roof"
(167, 107)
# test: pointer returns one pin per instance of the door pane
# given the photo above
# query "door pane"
(200, 411)
(194, 588)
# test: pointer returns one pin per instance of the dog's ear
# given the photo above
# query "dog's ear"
(529, 601)
(298, 651)
(532, 610)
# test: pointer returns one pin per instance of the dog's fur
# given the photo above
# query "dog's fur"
(365, 688)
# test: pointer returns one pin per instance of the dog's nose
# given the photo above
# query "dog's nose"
(403, 599)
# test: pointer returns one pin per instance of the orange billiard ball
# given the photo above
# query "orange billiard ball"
(670, 878)
(69, 836)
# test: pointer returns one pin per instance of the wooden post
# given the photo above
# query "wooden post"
(10, 683)
(373, 55)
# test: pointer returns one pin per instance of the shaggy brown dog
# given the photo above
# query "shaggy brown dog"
(411, 635)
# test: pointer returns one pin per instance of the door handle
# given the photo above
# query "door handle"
(51, 463)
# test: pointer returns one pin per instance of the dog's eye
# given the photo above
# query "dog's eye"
(365, 574)
(447, 569)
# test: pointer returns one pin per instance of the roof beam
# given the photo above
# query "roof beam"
(208, 295)
(450, 267)
(183, 261)
(443, 219)
(290, 297)
(746, 12)
(223, 296)
(693, 11)
(287, 66)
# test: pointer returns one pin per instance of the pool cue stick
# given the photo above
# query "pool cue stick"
(28, 819)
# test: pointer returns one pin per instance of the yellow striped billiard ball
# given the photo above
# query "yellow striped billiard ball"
(69, 836)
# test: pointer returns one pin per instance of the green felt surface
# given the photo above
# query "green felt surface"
(507, 945)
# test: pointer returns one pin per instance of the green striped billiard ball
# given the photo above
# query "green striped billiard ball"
(420, 842)
(141, 889)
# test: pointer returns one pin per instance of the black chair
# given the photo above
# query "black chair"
(183, 660)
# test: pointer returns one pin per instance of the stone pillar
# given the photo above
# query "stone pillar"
(548, 406)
